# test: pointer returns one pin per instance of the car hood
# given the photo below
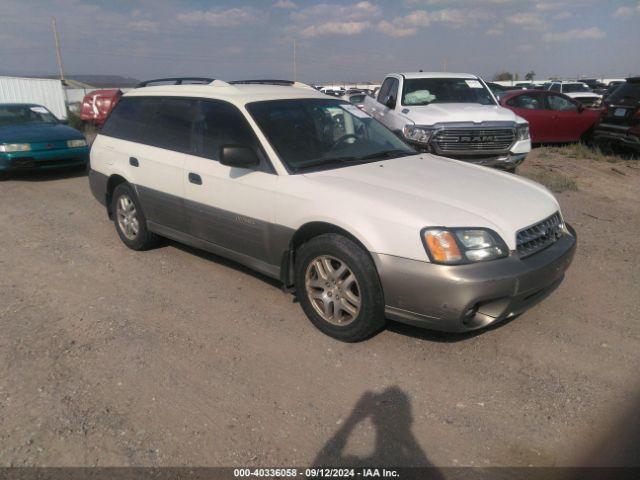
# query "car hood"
(427, 190)
(38, 132)
(458, 112)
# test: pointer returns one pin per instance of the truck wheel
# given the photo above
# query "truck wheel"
(129, 219)
(338, 287)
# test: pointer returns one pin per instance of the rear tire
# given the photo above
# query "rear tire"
(338, 287)
(129, 219)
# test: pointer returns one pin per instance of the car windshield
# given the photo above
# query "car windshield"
(424, 91)
(21, 114)
(574, 87)
(315, 134)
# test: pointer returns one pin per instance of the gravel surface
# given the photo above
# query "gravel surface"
(177, 357)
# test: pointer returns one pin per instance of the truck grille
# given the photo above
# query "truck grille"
(473, 141)
(539, 236)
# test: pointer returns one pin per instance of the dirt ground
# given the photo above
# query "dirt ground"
(178, 357)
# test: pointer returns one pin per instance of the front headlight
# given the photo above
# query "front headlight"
(76, 143)
(416, 134)
(452, 246)
(15, 147)
(522, 132)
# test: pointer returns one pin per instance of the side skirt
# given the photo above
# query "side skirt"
(272, 271)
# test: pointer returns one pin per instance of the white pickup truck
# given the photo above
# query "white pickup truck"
(454, 115)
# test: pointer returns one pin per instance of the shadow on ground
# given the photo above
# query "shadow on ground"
(47, 175)
(395, 445)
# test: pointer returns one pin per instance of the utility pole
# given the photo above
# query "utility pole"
(445, 63)
(57, 39)
(295, 67)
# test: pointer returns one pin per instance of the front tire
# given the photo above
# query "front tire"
(338, 288)
(129, 219)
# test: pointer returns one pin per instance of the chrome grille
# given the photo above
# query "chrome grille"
(474, 140)
(539, 236)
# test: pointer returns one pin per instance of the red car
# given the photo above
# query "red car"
(553, 117)
(96, 105)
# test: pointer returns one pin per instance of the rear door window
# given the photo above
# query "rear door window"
(130, 117)
(171, 127)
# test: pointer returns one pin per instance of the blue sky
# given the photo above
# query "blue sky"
(336, 40)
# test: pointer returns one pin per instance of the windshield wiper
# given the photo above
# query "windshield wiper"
(388, 154)
(329, 161)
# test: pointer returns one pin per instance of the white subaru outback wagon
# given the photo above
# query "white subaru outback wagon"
(312, 191)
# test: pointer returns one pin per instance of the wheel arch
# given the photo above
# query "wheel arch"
(305, 233)
(112, 183)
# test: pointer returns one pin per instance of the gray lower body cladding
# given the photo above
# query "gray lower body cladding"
(255, 243)
(467, 297)
(98, 184)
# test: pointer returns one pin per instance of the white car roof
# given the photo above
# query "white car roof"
(437, 75)
(236, 94)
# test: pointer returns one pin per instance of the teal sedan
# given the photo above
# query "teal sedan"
(32, 138)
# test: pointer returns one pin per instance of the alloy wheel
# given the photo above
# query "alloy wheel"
(127, 217)
(333, 290)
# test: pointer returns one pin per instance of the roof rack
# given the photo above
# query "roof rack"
(284, 83)
(176, 81)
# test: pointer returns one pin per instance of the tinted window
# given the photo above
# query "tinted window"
(171, 127)
(556, 102)
(530, 102)
(555, 87)
(130, 117)
(424, 91)
(219, 124)
(628, 93)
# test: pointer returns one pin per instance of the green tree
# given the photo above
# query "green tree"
(503, 76)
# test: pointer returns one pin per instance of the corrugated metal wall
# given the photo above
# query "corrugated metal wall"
(42, 91)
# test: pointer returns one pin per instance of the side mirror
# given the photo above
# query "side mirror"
(390, 101)
(238, 157)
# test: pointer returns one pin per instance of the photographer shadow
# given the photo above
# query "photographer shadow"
(395, 445)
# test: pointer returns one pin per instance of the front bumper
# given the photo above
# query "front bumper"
(467, 297)
(44, 159)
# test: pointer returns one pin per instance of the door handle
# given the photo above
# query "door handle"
(133, 161)
(195, 178)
